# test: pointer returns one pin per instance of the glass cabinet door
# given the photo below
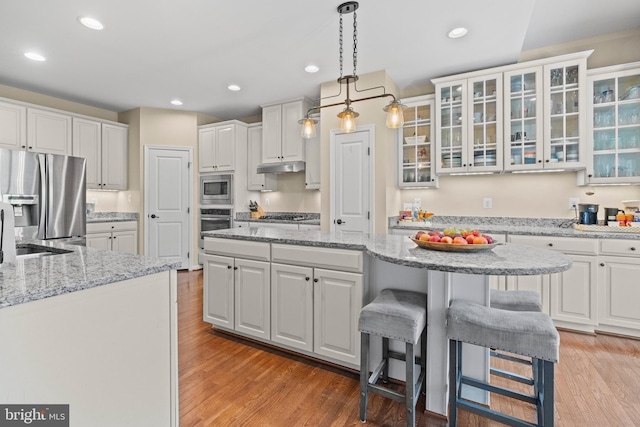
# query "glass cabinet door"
(564, 114)
(485, 134)
(450, 124)
(615, 127)
(415, 140)
(523, 119)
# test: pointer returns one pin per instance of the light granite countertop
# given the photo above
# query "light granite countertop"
(507, 259)
(34, 279)
(309, 218)
(550, 227)
(111, 217)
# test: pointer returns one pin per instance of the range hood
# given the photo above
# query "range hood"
(283, 167)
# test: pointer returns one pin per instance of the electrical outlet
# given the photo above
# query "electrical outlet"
(266, 201)
(487, 203)
(573, 202)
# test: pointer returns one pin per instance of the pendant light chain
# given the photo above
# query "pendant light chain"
(355, 42)
(340, 45)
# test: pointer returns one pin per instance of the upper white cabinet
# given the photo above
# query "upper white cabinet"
(527, 116)
(13, 126)
(416, 149)
(469, 124)
(614, 125)
(48, 132)
(257, 181)
(217, 145)
(281, 133)
(312, 160)
(106, 148)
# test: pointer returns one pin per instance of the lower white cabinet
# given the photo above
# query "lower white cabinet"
(236, 294)
(292, 306)
(113, 236)
(574, 292)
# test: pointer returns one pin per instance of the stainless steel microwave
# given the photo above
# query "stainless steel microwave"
(216, 189)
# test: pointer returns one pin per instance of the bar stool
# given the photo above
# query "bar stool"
(516, 300)
(530, 334)
(399, 315)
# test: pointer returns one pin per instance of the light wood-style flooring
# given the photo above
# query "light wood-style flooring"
(227, 381)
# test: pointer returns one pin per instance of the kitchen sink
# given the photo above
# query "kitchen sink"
(28, 250)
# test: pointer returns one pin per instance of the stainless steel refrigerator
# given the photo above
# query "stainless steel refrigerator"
(47, 192)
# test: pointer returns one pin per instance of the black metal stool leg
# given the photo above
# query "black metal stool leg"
(410, 390)
(385, 357)
(364, 375)
(548, 393)
(453, 383)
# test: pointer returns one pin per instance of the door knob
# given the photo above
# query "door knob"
(339, 221)
(154, 216)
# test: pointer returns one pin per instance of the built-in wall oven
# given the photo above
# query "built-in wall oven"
(216, 189)
(213, 218)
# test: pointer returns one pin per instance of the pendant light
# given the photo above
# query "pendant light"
(395, 116)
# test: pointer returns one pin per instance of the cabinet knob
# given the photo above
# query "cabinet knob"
(465, 165)
(547, 160)
(590, 176)
(114, 237)
(550, 244)
(307, 278)
(633, 248)
(24, 146)
(602, 264)
(30, 148)
(315, 280)
(235, 268)
(228, 267)
(433, 179)
(539, 161)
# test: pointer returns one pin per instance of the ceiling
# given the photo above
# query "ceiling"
(152, 51)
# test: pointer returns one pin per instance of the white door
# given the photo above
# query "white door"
(167, 192)
(350, 200)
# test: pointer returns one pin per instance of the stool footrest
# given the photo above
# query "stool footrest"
(401, 356)
(493, 389)
(510, 358)
(496, 416)
(512, 376)
(376, 372)
(389, 394)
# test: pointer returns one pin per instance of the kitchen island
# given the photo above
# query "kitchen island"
(93, 329)
(386, 261)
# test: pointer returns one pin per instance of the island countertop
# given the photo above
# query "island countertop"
(34, 279)
(507, 259)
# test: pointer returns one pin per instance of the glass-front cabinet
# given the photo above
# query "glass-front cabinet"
(565, 118)
(415, 142)
(469, 125)
(614, 127)
(523, 134)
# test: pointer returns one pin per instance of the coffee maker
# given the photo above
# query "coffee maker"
(588, 214)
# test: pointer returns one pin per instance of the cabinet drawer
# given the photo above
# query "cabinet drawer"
(308, 256)
(620, 247)
(106, 227)
(562, 244)
(238, 248)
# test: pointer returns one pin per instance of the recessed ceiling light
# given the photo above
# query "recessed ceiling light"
(94, 24)
(35, 56)
(176, 102)
(456, 33)
(311, 68)
(234, 88)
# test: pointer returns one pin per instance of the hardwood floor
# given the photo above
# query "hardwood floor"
(226, 381)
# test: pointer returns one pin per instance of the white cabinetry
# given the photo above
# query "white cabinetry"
(237, 286)
(217, 145)
(119, 236)
(614, 125)
(281, 133)
(416, 149)
(13, 126)
(48, 132)
(106, 148)
(257, 181)
(312, 160)
(618, 290)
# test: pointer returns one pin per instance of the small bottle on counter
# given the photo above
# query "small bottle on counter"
(621, 218)
(636, 216)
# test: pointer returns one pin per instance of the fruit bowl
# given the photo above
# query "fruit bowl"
(450, 247)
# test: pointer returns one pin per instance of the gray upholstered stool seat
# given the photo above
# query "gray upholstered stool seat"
(399, 315)
(524, 333)
(515, 300)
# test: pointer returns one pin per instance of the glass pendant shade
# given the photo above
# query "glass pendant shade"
(348, 120)
(308, 127)
(395, 116)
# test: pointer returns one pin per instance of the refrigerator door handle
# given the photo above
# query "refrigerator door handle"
(44, 201)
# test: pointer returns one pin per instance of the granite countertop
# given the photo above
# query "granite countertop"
(550, 227)
(34, 279)
(309, 218)
(111, 217)
(507, 259)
